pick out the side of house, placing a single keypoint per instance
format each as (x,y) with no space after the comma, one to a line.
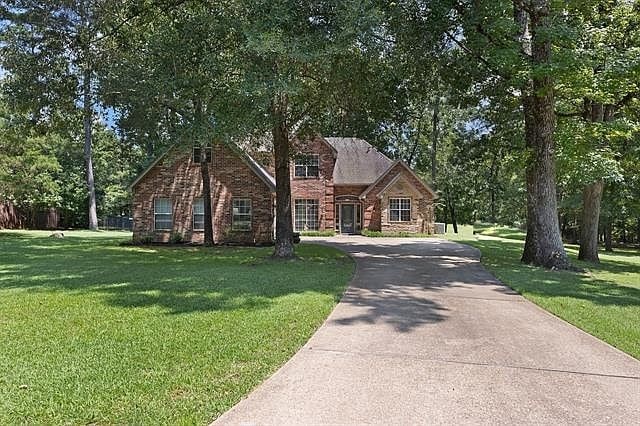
(168,204)
(312,189)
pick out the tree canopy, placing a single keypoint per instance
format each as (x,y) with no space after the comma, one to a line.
(518,112)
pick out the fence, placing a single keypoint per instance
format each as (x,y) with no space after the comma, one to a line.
(123,223)
(13,217)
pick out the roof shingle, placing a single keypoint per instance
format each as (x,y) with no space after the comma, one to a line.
(357,162)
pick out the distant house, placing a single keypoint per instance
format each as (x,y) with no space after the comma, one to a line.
(341,184)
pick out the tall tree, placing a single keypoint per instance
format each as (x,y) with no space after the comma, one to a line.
(595,90)
(50,53)
(543,243)
(291,53)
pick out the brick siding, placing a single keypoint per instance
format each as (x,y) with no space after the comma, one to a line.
(176,177)
(320,188)
(376,215)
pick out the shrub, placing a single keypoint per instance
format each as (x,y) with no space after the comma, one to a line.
(143,239)
(326,233)
(377,234)
(175,238)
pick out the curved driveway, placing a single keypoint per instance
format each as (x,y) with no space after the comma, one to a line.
(425,335)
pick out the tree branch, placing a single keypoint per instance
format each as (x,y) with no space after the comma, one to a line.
(626,99)
(569,114)
(479,57)
(131,17)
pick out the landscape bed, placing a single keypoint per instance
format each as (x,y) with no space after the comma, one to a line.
(97,333)
(604,300)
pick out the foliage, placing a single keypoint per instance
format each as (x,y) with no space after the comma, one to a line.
(383,234)
(327,233)
(42,169)
(28,165)
(91,341)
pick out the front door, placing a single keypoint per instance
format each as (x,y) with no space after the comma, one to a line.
(347,219)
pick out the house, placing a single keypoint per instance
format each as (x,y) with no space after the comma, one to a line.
(341,184)
(167,197)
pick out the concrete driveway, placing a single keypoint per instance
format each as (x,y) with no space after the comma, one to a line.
(425,335)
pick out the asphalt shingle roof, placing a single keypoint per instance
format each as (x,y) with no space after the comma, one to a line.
(357,161)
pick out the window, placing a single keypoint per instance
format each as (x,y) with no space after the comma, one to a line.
(399,209)
(241,220)
(163,217)
(197,154)
(306,215)
(198,214)
(306,166)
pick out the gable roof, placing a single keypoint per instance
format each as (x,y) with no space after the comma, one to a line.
(248,160)
(357,161)
(260,171)
(386,172)
(399,177)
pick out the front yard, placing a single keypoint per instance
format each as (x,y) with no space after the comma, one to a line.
(604,300)
(93,332)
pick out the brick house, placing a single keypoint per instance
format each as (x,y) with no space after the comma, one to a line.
(353,186)
(339,184)
(167,197)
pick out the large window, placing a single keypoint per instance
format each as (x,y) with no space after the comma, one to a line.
(306,215)
(241,214)
(399,209)
(198,214)
(162,212)
(198,152)
(306,166)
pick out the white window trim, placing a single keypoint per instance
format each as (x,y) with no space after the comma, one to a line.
(306,217)
(156,214)
(193,215)
(316,157)
(400,209)
(249,215)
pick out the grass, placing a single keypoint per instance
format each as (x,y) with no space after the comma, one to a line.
(604,300)
(97,333)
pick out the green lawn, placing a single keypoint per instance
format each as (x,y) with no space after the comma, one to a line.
(94,332)
(604,300)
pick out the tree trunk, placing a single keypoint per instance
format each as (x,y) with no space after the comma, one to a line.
(454,220)
(446,218)
(88,141)
(206,198)
(284,248)
(594,112)
(416,142)
(434,142)
(493,183)
(452,210)
(591,197)
(543,244)
(608,228)
(638,232)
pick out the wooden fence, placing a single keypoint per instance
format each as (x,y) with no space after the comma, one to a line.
(12,217)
